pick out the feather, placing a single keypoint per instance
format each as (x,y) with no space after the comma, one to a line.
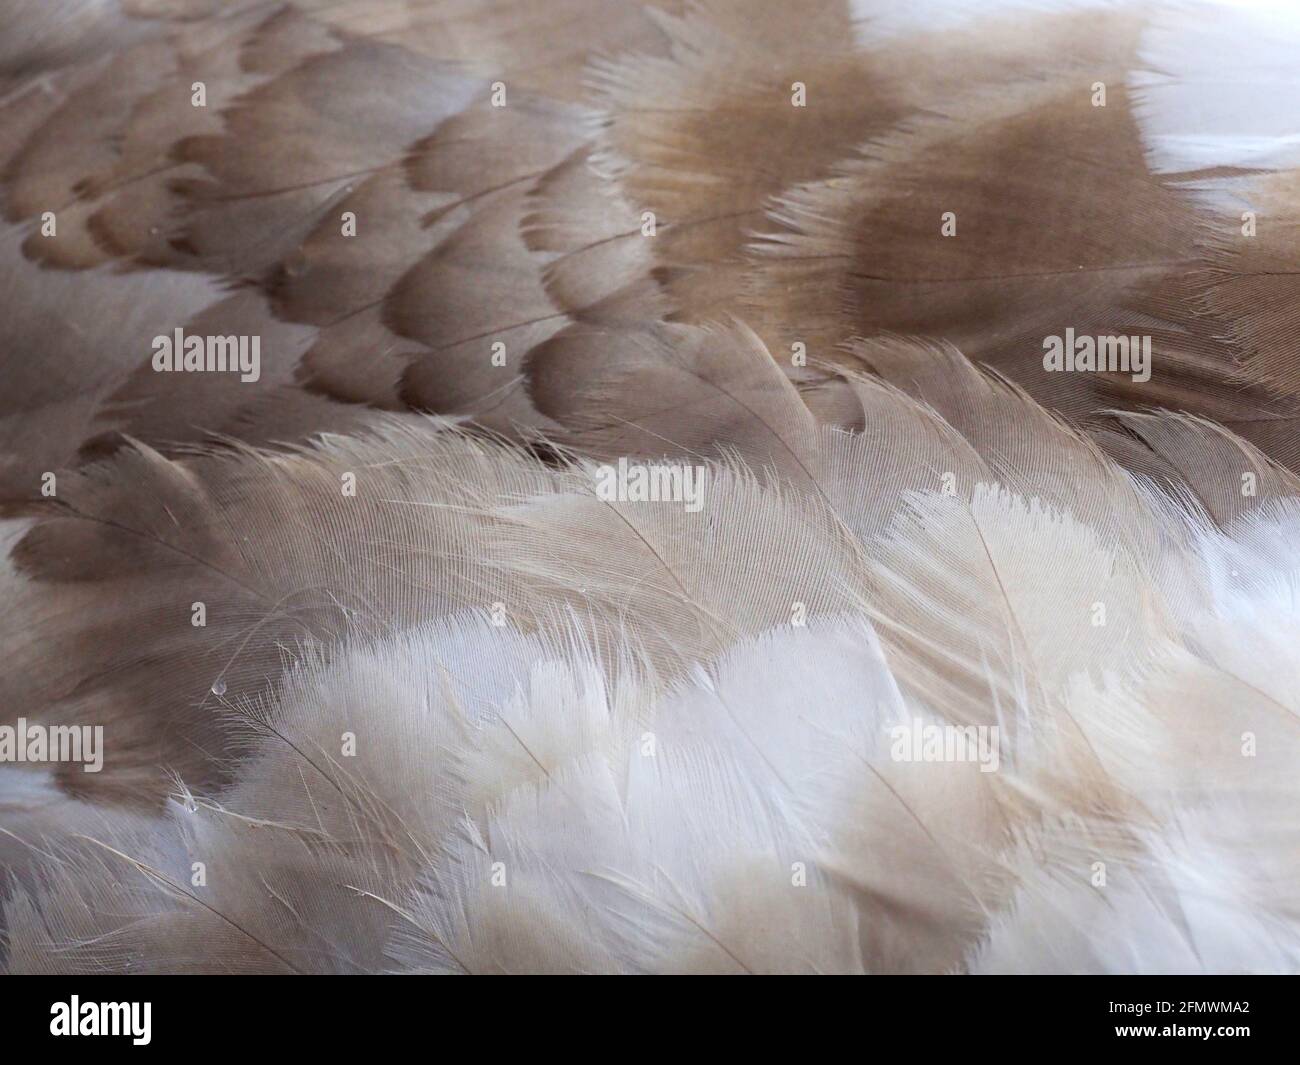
(71,341)
(881,247)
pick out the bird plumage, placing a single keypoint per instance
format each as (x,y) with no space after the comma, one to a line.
(448,705)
